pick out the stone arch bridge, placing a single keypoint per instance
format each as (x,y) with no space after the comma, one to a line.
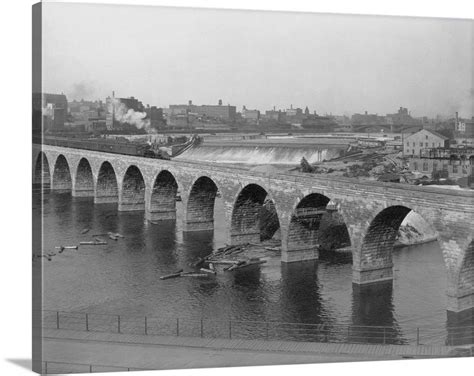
(372,211)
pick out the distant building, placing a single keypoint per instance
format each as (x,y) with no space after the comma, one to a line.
(252,116)
(274,115)
(402,117)
(454,163)
(292,113)
(50,110)
(219,111)
(464,128)
(155,115)
(423,139)
(132,103)
(367,119)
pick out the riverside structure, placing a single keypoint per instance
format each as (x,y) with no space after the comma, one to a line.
(372,211)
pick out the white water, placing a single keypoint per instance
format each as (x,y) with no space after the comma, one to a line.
(258,155)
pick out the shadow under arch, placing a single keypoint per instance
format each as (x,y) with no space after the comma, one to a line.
(314,226)
(200,205)
(162,204)
(133,190)
(245,224)
(84,182)
(61,175)
(41,173)
(106,186)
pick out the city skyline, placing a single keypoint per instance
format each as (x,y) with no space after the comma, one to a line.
(253,59)
(282,109)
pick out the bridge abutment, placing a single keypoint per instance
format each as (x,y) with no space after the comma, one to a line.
(304,254)
(199,225)
(373,274)
(160,215)
(131,206)
(105,199)
(82,192)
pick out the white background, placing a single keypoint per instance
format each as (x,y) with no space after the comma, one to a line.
(15,195)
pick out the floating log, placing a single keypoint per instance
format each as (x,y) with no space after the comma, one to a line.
(196,275)
(223,262)
(248,264)
(93,243)
(63,247)
(168,276)
(113,237)
(273,248)
(85,231)
(209,271)
(232,267)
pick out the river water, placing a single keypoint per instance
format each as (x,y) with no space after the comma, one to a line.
(122,277)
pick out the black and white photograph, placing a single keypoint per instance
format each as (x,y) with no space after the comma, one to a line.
(227,187)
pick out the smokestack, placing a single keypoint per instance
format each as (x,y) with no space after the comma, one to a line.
(457,117)
(190,103)
(113,108)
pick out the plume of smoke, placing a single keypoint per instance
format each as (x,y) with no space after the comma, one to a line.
(465,107)
(124,114)
(81,90)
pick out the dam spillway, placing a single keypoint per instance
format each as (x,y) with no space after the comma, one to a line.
(258,154)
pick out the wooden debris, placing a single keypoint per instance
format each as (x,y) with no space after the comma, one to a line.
(209,271)
(63,247)
(93,243)
(168,276)
(197,275)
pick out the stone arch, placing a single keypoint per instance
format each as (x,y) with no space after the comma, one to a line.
(61,175)
(246,215)
(163,195)
(374,261)
(200,205)
(133,190)
(106,186)
(42,174)
(313,226)
(84,181)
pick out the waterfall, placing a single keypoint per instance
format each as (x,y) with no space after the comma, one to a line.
(257,155)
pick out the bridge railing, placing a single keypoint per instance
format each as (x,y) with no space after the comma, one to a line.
(262,330)
(54,367)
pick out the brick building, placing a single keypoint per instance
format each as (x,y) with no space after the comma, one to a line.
(219,111)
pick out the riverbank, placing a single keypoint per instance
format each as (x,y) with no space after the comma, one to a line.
(68,350)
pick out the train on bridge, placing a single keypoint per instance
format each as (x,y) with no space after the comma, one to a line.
(108,146)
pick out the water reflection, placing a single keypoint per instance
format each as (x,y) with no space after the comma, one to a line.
(123,277)
(372,305)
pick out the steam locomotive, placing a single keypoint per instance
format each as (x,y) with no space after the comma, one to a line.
(107,146)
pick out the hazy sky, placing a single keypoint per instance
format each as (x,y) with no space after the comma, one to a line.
(332,64)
